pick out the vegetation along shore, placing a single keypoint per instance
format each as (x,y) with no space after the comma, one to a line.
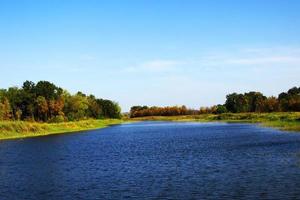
(44,108)
(288,121)
(23,129)
(281,112)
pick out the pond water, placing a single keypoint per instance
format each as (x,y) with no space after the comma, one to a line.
(154,160)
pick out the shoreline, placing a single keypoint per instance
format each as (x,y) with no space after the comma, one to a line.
(289,121)
(21,129)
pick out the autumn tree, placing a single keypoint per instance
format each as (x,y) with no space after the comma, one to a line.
(14,96)
(5,110)
(42,108)
(45,101)
(140,111)
(271,104)
(290,101)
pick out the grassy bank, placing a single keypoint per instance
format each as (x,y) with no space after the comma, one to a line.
(284,121)
(21,129)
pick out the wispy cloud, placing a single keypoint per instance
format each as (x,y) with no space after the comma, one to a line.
(264,57)
(264,60)
(244,58)
(251,61)
(156,66)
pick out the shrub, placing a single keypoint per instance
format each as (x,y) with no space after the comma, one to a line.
(57,119)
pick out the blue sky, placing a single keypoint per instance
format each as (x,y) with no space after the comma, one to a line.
(152,52)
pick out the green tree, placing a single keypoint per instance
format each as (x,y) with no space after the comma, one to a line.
(76,107)
(28,97)
(109,108)
(221,109)
(255,101)
(47,90)
(94,109)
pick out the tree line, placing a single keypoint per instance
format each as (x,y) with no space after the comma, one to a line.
(141,111)
(235,103)
(47,102)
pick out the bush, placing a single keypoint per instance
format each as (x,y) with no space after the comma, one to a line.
(220,109)
(57,119)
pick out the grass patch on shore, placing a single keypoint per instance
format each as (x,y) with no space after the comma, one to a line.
(282,120)
(21,129)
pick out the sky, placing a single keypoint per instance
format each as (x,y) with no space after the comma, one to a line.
(152,52)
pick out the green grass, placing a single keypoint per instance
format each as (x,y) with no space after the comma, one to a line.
(282,120)
(21,129)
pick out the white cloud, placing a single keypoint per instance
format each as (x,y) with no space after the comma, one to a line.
(264,57)
(241,59)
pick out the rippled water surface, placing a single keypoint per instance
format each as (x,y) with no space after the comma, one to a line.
(154,160)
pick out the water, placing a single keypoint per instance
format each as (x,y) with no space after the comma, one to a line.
(154,160)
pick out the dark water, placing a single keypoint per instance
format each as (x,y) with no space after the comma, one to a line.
(154,160)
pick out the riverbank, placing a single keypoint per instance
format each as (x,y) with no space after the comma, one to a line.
(21,129)
(283,120)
